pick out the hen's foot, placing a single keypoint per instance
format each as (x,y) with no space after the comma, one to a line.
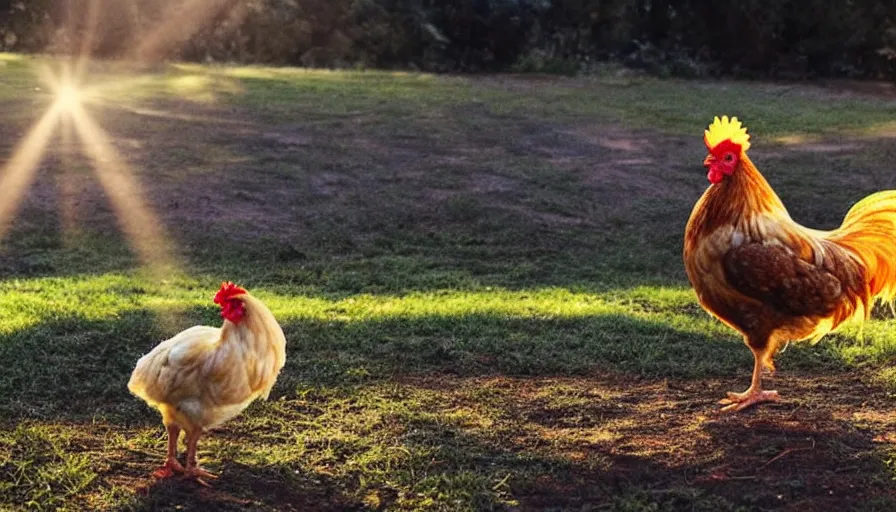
(170,468)
(740,401)
(200,475)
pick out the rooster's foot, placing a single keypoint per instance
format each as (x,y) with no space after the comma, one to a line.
(200,475)
(170,468)
(740,401)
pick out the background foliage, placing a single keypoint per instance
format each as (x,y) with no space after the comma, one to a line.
(788,39)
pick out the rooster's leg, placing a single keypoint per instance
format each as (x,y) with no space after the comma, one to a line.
(754,395)
(171,466)
(193,470)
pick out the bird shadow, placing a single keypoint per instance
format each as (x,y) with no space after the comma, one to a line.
(241,487)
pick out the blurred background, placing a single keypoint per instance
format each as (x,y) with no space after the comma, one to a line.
(692,38)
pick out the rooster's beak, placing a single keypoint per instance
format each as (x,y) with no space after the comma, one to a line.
(709,161)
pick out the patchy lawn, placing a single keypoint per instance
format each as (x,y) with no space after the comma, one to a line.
(479,278)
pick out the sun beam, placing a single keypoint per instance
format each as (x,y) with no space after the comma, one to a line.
(66,183)
(178,24)
(68,112)
(140,224)
(142,227)
(18,174)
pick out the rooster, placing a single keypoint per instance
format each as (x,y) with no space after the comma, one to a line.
(771,279)
(205,376)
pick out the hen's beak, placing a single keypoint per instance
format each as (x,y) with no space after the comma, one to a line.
(709,161)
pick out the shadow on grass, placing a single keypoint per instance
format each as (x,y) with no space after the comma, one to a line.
(557,444)
(243,487)
(426,412)
(77,368)
(607,474)
(801,459)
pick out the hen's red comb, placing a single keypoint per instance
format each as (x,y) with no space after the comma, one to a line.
(228,290)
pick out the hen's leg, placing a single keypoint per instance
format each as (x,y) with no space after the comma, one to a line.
(754,394)
(193,470)
(172,466)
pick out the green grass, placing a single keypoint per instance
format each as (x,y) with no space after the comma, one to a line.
(480,282)
(42,470)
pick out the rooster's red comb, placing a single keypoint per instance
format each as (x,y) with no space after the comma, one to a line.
(228,290)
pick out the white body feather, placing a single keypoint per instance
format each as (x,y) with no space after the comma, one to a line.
(204,376)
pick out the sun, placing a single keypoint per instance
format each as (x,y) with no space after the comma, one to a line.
(68,97)
(69,110)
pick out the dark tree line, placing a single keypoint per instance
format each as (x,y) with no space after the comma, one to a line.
(786,38)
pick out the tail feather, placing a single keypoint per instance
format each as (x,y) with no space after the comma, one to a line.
(869,231)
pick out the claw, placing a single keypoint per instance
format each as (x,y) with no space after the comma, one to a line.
(202,482)
(199,475)
(740,401)
(734,397)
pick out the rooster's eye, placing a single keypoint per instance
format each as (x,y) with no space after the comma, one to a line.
(729,158)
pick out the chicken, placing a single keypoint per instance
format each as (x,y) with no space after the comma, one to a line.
(205,376)
(771,279)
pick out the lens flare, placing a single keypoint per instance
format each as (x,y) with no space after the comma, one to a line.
(180,22)
(68,112)
(142,227)
(68,97)
(19,171)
